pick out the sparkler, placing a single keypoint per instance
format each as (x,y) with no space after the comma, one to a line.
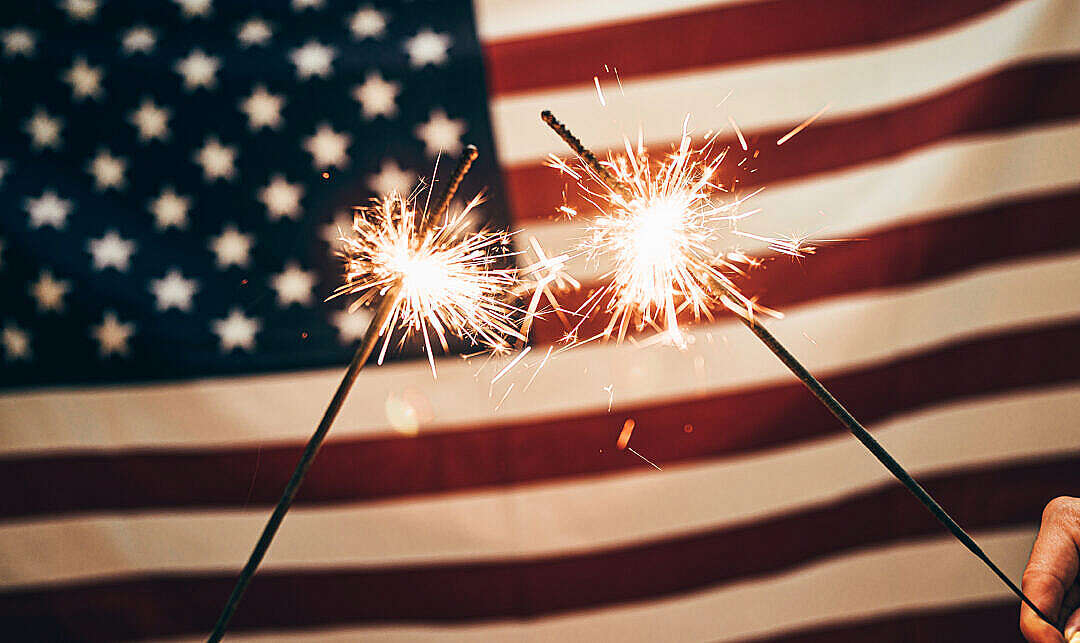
(445,279)
(654,227)
(658,226)
(425,274)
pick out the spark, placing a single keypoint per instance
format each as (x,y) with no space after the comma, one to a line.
(801,126)
(738,132)
(512,364)
(505,395)
(547,273)
(658,225)
(599,92)
(646,460)
(610,388)
(444,280)
(537,371)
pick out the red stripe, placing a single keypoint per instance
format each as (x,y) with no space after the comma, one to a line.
(713,36)
(992,623)
(172,605)
(725,424)
(901,256)
(1022,96)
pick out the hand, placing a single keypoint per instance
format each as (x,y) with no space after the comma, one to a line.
(1050,579)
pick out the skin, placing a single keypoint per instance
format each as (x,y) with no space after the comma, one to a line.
(1050,579)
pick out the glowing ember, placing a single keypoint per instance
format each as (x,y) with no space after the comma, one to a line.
(624,435)
(444,279)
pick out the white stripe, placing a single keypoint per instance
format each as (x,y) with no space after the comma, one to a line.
(498,20)
(948,177)
(847,333)
(927,574)
(765,95)
(551,519)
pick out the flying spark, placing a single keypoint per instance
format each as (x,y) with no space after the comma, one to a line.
(801,126)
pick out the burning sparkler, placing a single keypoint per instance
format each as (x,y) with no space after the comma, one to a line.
(425,274)
(438,277)
(655,224)
(659,224)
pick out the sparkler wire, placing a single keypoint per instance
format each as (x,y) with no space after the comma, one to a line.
(884,457)
(360,357)
(819,391)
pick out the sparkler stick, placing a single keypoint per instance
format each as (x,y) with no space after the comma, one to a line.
(604,174)
(884,457)
(443,204)
(367,346)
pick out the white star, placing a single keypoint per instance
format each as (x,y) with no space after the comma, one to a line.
(427,48)
(85,80)
(294,286)
(367,22)
(170,209)
(195,8)
(232,247)
(49,292)
(263,109)
(236,331)
(281,198)
(19,41)
(80,9)
(108,171)
(48,209)
(173,291)
(328,147)
(341,225)
(254,32)
(44,130)
(16,343)
(198,70)
(151,121)
(112,335)
(217,160)
(441,134)
(313,59)
(111,251)
(377,96)
(351,326)
(139,39)
(392,178)
(300,5)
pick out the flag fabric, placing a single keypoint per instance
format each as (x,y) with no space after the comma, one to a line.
(176,175)
(167,351)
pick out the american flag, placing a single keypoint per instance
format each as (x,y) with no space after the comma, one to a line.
(173,175)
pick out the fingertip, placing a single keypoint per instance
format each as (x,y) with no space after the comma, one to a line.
(1072,627)
(1036,630)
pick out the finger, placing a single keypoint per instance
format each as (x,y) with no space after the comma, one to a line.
(1051,570)
(1034,629)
